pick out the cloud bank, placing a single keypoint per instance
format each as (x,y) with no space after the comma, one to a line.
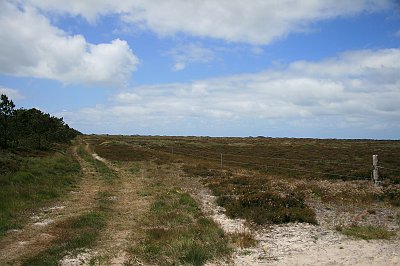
(356,89)
(31,46)
(257,22)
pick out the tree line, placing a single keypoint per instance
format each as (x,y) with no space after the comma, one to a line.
(31,128)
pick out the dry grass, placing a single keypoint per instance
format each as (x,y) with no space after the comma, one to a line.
(268,175)
(244,239)
(366,232)
(175,231)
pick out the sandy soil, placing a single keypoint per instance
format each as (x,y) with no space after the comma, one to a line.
(301,244)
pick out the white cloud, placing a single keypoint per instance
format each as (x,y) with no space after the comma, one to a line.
(31,46)
(256,22)
(178,66)
(190,53)
(12,94)
(257,50)
(355,90)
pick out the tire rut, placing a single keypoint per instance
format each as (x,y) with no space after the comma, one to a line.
(128,209)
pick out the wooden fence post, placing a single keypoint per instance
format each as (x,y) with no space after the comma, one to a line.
(375,169)
(221,161)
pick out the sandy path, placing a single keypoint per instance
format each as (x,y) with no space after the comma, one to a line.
(128,210)
(37,235)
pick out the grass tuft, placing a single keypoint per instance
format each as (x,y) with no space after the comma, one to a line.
(366,232)
(244,239)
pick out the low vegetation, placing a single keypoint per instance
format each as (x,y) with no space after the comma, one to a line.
(31,172)
(82,232)
(100,167)
(366,232)
(263,180)
(28,181)
(269,180)
(177,233)
(244,239)
(78,234)
(253,198)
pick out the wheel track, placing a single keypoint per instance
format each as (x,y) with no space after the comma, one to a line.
(128,209)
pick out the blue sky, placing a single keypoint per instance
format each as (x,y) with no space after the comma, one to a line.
(325,69)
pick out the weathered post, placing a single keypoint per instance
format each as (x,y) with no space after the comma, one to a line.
(375,169)
(221,161)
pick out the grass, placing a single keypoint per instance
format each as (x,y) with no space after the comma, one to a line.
(244,239)
(253,197)
(78,234)
(30,182)
(175,231)
(180,234)
(100,167)
(392,195)
(311,159)
(366,232)
(263,180)
(281,173)
(134,169)
(81,232)
(116,152)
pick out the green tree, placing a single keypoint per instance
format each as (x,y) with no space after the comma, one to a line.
(6,114)
(39,130)
(31,128)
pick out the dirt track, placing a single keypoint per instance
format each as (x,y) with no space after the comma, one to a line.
(38,234)
(128,208)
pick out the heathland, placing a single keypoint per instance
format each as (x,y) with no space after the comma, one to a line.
(153,200)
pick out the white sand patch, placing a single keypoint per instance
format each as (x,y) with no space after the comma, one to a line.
(45,222)
(78,260)
(97,157)
(55,208)
(300,243)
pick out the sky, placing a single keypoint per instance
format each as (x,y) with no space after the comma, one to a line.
(309,68)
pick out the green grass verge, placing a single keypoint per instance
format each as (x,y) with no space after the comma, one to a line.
(366,232)
(179,234)
(32,183)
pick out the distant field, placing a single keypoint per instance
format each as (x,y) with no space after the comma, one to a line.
(271,179)
(309,158)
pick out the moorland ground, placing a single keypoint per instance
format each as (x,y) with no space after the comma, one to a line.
(150,200)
